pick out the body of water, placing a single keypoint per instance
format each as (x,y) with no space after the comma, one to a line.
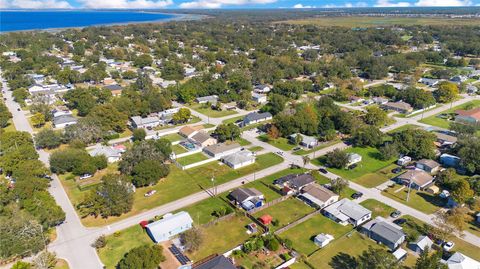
(36,20)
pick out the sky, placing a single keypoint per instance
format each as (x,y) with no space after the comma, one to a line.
(219,4)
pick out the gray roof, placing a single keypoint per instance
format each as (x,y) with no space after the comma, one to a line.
(209,98)
(423,242)
(169,224)
(295,180)
(239,157)
(141,121)
(201,137)
(347,208)
(305,138)
(222,147)
(387,231)
(241,194)
(105,150)
(64,119)
(113,87)
(254,116)
(218,262)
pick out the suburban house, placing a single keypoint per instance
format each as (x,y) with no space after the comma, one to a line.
(248,198)
(322,240)
(429,166)
(421,243)
(222,149)
(318,196)
(202,139)
(261,88)
(471,89)
(445,139)
(63,121)
(259,98)
(460,261)
(471,116)
(448,160)
(419,179)
(212,99)
(354,158)
(346,211)
(168,227)
(307,141)
(115,89)
(138,122)
(215,262)
(294,182)
(189,131)
(458,79)
(380,100)
(384,232)
(399,106)
(112,154)
(429,81)
(256,117)
(404,160)
(239,159)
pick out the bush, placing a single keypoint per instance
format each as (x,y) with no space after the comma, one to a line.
(148,172)
(100,242)
(145,257)
(47,138)
(77,161)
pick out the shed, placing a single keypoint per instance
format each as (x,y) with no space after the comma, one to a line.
(266,219)
(322,240)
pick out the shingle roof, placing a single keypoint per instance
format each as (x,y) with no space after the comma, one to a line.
(428,163)
(241,194)
(218,262)
(239,157)
(348,208)
(257,116)
(201,137)
(319,192)
(62,119)
(222,147)
(419,177)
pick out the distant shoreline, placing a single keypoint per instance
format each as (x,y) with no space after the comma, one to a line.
(174,17)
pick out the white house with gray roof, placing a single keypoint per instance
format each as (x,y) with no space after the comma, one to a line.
(112,154)
(63,121)
(384,232)
(307,141)
(146,122)
(239,159)
(212,99)
(256,117)
(346,211)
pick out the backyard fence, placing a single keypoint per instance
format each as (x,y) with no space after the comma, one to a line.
(295,223)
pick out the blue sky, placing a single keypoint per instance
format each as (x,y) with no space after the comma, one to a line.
(155,4)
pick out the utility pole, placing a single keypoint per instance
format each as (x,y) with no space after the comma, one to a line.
(409,188)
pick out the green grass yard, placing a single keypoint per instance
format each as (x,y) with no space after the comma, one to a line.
(177,149)
(180,183)
(286,212)
(190,159)
(233,120)
(302,235)
(281,142)
(173,137)
(202,212)
(444,123)
(372,180)
(255,148)
(377,208)
(210,112)
(419,200)
(403,128)
(321,146)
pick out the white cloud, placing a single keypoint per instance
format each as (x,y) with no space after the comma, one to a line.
(34,4)
(302,6)
(358,4)
(221,3)
(443,3)
(387,3)
(123,4)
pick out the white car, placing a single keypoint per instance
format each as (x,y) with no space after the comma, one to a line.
(85,176)
(150,193)
(447,246)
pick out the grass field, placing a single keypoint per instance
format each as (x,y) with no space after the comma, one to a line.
(321,146)
(194,158)
(370,164)
(352,246)
(173,137)
(210,112)
(280,143)
(177,149)
(443,123)
(180,183)
(419,200)
(302,235)
(403,128)
(359,21)
(286,212)
(255,148)
(202,212)
(377,208)
(233,120)
(118,245)
(372,180)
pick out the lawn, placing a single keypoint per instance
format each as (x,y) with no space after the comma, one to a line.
(286,212)
(444,123)
(194,158)
(202,212)
(281,142)
(372,180)
(464,247)
(352,246)
(233,120)
(192,120)
(222,237)
(377,208)
(302,235)
(359,21)
(403,128)
(173,137)
(180,183)
(419,200)
(319,147)
(210,112)
(255,148)
(243,142)
(370,163)
(177,149)
(121,243)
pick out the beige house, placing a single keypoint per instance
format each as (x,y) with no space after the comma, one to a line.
(202,139)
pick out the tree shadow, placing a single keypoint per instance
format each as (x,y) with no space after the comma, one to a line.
(375,155)
(434,200)
(343,261)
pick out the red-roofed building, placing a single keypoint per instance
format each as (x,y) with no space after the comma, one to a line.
(471,116)
(266,219)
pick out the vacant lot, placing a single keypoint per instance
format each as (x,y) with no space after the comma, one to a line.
(194,158)
(281,142)
(419,200)
(377,208)
(286,212)
(210,112)
(359,21)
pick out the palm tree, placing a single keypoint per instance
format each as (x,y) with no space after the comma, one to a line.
(306,160)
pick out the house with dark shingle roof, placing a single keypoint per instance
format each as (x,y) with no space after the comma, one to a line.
(318,196)
(384,232)
(419,179)
(256,117)
(215,262)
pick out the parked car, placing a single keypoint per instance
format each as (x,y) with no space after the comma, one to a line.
(323,170)
(397,170)
(85,176)
(447,246)
(357,195)
(18,109)
(352,166)
(150,193)
(296,149)
(395,214)
(399,221)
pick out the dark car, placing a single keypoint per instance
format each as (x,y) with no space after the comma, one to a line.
(352,166)
(323,170)
(399,221)
(18,109)
(357,195)
(395,214)
(397,170)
